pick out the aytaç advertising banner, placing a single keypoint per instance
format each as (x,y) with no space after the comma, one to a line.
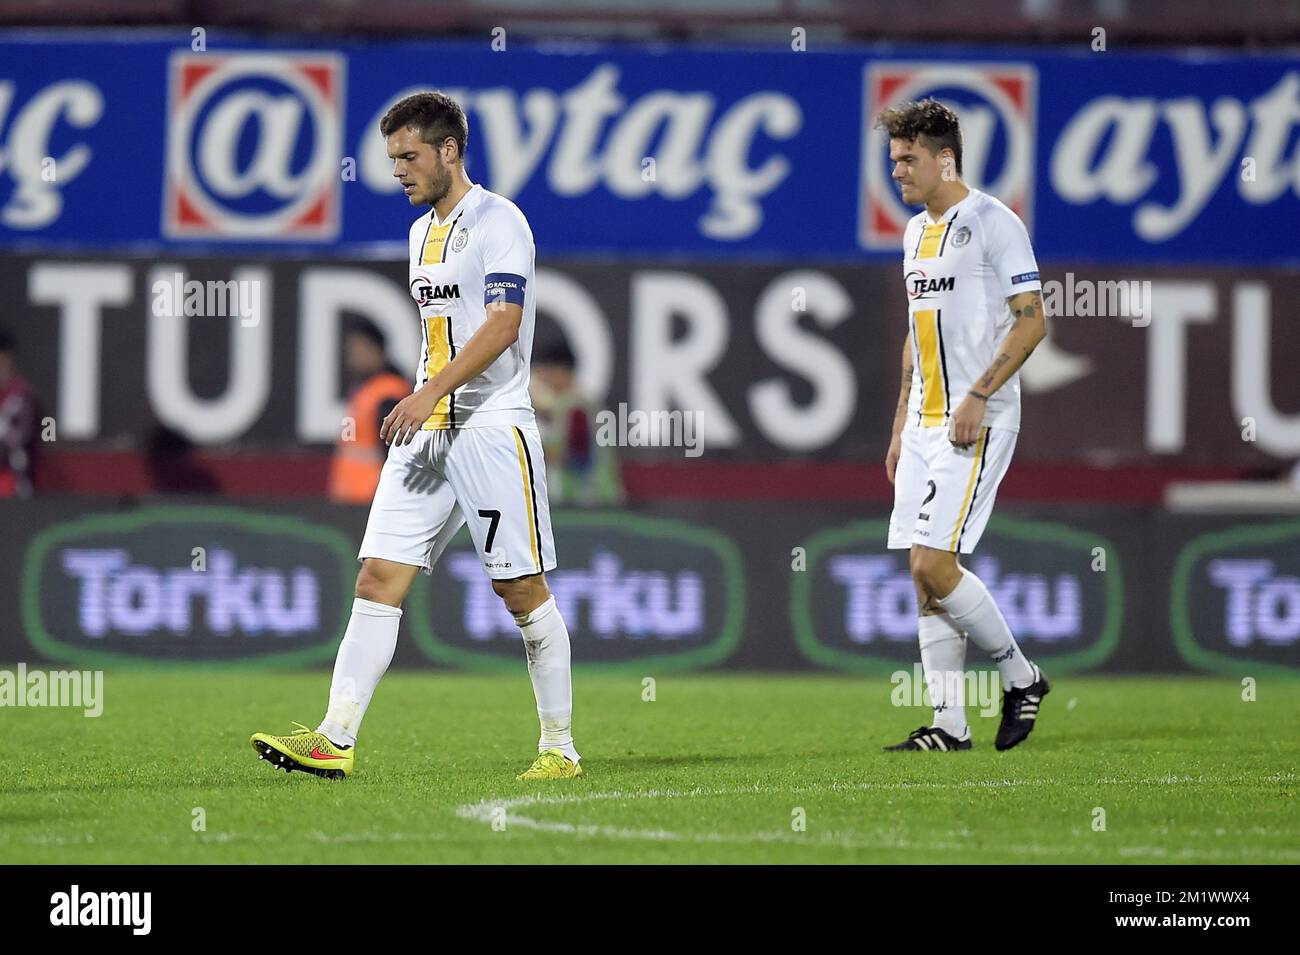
(710,153)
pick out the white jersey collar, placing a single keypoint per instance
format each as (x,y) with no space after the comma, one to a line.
(952,209)
(460,207)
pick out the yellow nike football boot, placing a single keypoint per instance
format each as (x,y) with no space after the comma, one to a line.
(551,764)
(305,750)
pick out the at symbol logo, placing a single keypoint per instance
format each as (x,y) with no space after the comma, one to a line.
(996,104)
(253,146)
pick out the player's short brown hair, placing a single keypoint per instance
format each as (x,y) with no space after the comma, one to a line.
(435,116)
(928,118)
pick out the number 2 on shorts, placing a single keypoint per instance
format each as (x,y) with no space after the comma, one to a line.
(928,498)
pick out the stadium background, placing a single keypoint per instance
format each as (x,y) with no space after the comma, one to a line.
(749,274)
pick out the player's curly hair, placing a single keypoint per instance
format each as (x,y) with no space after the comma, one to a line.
(928,118)
(435,116)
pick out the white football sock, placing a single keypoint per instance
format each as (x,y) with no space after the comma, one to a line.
(973,610)
(546,642)
(943,658)
(363,656)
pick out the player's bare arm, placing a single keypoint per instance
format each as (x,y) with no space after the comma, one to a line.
(1029,329)
(499,332)
(900,414)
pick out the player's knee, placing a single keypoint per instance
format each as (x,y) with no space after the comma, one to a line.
(522,595)
(376,585)
(931,569)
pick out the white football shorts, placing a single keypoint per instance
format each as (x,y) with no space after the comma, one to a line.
(943,496)
(493,478)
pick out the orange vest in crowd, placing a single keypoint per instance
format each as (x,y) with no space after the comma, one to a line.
(354,472)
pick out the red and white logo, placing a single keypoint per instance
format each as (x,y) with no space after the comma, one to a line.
(253,146)
(997,106)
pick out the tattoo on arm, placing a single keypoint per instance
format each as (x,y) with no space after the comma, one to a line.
(1027,305)
(907,382)
(987,380)
(1030,308)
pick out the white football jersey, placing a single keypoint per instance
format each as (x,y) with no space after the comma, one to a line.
(959,273)
(483,253)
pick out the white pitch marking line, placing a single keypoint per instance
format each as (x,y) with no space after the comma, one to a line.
(485,810)
(757,789)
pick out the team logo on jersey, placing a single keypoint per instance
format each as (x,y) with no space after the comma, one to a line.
(920,286)
(426,293)
(458,243)
(961,236)
(253,145)
(996,103)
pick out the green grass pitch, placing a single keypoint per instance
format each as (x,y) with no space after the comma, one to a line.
(718,768)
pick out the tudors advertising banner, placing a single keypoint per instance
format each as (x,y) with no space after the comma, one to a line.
(773,360)
(209,140)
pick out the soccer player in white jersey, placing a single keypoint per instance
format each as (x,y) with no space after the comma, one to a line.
(975,313)
(464,447)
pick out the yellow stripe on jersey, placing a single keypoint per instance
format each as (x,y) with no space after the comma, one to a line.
(970,485)
(436,356)
(934,397)
(435,244)
(931,241)
(528,497)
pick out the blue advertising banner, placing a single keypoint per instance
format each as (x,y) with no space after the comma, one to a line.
(108,141)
